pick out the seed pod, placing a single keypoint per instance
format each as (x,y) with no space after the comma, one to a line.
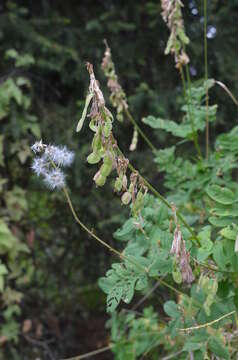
(93,158)
(124,182)
(138,203)
(126,198)
(97,143)
(99,179)
(107,127)
(118,184)
(92,125)
(106,167)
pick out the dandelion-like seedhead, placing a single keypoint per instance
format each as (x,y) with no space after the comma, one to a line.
(48,164)
(55,179)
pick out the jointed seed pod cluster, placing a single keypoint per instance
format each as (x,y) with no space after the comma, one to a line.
(106,152)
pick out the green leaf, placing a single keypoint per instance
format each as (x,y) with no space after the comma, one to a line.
(218,348)
(171,308)
(229,232)
(125,233)
(221,195)
(220,222)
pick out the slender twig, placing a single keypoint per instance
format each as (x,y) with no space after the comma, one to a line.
(91,353)
(206,76)
(172,355)
(208,323)
(224,87)
(195,135)
(146,296)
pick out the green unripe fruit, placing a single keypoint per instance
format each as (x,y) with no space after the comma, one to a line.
(97,143)
(106,167)
(99,179)
(118,184)
(107,127)
(93,158)
(126,198)
(138,204)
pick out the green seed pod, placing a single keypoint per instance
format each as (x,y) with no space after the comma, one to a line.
(138,204)
(97,143)
(126,198)
(92,125)
(99,179)
(177,276)
(93,158)
(106,167)
(107,127)
(118,184)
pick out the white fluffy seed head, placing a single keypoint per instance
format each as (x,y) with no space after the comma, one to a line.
(61,156)
(55,179)
(40,166)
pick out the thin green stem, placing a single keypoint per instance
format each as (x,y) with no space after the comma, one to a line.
(206,76)
(195,135)
(140,131)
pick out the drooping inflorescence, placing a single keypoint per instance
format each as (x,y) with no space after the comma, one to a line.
(172,16)
(106,151)
(48,161)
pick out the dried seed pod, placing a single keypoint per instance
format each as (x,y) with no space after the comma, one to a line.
(124,182)
(126,198)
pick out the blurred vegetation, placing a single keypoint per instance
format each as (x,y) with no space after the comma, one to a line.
(49,268)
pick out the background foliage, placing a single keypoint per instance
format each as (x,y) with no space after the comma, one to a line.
(49,268)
